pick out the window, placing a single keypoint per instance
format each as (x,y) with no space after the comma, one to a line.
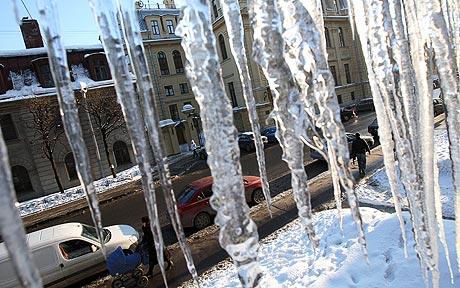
(46,77)
(183,88)
(178,62)
(21,179)
(214,9)
(174,112)
(343,4)
(155,27)
(328,37)
(352,94)
(341,38)
(231,90)
(169,90)
(170,26)
(347,73)
(339,99)
(76,248)
(163,62)
(120,150)
(101,71)
(334,75)
(69,162)
(223,49)
(8,129)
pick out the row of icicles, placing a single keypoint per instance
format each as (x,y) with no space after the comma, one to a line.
(403,42)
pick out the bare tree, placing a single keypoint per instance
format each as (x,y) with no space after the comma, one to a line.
(47,127)
(107,115)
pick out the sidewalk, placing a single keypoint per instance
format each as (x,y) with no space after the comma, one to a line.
(177,164)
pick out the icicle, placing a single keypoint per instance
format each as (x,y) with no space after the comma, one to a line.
(57,56)
(105,12)
(151,118)
(11,228)
(439,218)
(238,232)
(234,25)
(305,55)
(446,63)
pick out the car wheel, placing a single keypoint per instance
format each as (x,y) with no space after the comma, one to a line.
(143,281)
(202,220)
(118,283)
(257,196)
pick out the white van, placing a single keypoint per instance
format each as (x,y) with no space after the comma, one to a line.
(68,253)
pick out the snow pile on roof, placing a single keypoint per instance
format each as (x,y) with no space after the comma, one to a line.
(376,190)
(44,51)
(166,122)
(26,85)
(75,193)
(288,258)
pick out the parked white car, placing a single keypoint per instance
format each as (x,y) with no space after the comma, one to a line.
(67,253)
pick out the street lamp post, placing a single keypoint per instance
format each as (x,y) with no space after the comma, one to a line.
(189,110)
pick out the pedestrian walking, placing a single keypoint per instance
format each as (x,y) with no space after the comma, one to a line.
(359,148)
(148,244)
(194,149)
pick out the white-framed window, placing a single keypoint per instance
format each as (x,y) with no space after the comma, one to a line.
(170,26)
(155,27)
(169,90)
(183,88)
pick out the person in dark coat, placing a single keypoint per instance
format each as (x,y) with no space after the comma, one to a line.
(359,148)
(149,244)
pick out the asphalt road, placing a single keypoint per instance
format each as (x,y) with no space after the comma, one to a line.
(129,209)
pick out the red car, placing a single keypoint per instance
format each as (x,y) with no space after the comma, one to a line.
(193,204)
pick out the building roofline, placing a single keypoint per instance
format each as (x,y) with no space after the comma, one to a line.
(44,51)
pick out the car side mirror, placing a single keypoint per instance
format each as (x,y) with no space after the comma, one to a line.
(94,248)
(199,198)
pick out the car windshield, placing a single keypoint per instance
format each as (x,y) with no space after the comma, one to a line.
(90,233)
(187,194)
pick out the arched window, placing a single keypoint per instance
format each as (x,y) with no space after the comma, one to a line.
(328,37)
(120,150)
(69,162)
(341,38)
(178,62)
(21,179)
(163,62)
(223,49)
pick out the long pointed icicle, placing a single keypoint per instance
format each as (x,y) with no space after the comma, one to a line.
(11,228)
(446,62)
(151,118)
(288,110)
(105,12)
(238,232)
(234,24)
(308,65)
(68,108)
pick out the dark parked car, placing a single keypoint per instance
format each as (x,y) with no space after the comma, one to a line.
(270,132)
(366,104)
(246,141)
(346,113)
(373,129)
(438,106)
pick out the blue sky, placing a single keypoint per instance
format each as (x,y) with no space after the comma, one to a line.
(77,23)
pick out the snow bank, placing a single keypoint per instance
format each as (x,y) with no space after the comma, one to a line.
(376,189)
(288,258)
(75,193)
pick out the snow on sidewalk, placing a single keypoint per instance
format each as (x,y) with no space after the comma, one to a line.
(102,185)
(376,189)
(288,258)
